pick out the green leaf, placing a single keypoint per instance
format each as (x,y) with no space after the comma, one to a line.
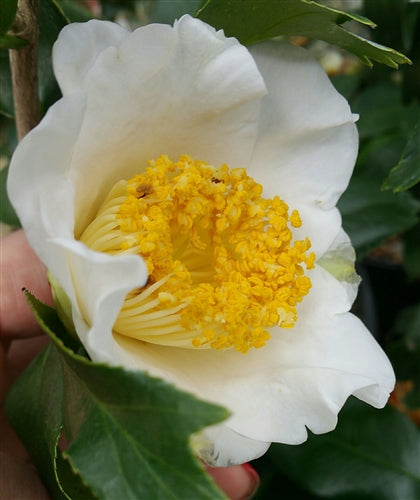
(71,484)
(7,15)
(141,426)
(371,455)
(251,22)
(371,216)
(7,212)
(11,42)
(34,408)
(407,172)
(128,432)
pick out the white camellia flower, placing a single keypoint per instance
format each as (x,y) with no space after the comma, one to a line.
(141,192)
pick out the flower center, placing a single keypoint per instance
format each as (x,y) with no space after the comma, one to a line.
(223,266)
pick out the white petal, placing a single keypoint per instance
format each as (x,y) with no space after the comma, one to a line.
(42,191)
(77,47)
(164,96)
(300,379)
(220,446)
(307,141)
(38,185)
(100,283)
(327,297)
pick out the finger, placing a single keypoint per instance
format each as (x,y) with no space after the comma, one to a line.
(238,482)
(19,480)
(20,268)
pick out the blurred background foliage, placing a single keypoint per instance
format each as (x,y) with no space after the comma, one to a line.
(372,454)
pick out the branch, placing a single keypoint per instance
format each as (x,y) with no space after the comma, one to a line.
(24,68)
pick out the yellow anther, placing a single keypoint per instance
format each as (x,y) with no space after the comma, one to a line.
(223,265)
(295,219)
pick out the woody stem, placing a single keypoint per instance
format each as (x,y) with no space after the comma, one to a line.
(24,67)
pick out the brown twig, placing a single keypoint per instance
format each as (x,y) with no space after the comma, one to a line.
(24,68)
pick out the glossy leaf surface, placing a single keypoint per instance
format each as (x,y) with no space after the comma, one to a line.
(251,22)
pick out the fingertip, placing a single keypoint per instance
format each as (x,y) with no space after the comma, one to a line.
(20,268)
(238,482)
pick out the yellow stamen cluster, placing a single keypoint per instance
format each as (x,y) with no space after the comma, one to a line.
(223,266)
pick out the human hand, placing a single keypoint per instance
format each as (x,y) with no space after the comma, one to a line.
(21,339)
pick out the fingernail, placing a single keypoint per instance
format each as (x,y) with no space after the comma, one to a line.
(254,481)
